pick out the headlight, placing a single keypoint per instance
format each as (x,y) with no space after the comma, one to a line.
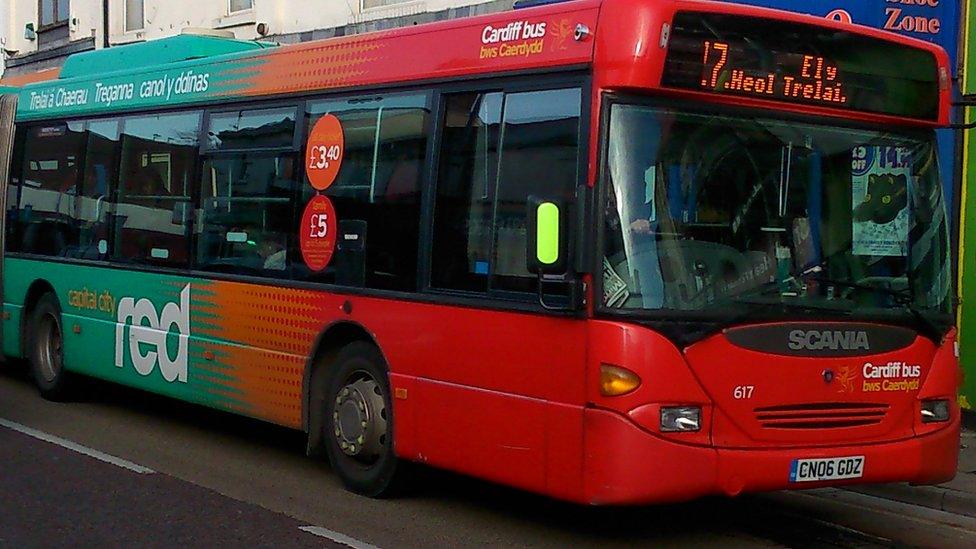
(934,411)
(680,418)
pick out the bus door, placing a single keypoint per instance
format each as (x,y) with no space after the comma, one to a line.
(8,108)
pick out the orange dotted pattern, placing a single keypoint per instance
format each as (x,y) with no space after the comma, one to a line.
(254,343)
(302,67)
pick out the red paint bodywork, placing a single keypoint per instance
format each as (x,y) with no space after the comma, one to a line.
(514,397)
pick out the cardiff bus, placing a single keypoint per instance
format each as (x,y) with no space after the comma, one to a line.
(609,251)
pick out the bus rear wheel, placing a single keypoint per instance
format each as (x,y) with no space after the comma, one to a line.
(359,422)
(46,351)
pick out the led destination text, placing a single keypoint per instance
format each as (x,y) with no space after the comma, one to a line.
(814,80)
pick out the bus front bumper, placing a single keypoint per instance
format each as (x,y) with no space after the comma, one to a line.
(627,465)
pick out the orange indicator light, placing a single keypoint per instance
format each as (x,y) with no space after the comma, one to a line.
(616,381)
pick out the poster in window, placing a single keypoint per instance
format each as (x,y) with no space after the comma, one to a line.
(325,148)
(318,233)
(880,178)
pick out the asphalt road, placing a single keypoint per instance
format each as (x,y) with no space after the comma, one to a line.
(166,473)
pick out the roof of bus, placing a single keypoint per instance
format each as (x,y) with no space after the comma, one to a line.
(146,55)
(198,69)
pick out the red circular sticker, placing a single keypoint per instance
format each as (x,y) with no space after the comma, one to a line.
(318,232)
(324,149)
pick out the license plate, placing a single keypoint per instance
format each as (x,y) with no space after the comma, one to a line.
(812,470)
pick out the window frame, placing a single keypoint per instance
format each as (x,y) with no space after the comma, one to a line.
(578,228)
(193,183)
(58,20)
(230,108)
(111,186)
(125,17)
(425,182)
(21,171)
(363,8)
(207,154)
(232,11)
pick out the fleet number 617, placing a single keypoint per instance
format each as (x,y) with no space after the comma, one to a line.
(740,392)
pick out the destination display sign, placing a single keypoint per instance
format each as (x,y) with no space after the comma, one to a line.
(809,77)
(796,63)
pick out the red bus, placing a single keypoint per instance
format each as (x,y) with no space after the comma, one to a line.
(610,251)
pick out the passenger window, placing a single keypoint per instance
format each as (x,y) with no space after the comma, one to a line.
(257,129)
(159,155)
(497,150)
(49,189)
(466,179)
(13,226)
(247,213)
(376,193)
(95,199)
(539,157)
(247,207)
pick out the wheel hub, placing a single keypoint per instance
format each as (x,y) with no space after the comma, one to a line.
(359,419)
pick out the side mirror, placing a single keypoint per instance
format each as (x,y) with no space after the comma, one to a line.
(546,242)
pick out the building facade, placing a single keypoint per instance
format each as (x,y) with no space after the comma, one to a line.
(38,35)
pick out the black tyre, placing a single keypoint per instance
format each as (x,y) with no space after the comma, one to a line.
(358,423)
(45,349)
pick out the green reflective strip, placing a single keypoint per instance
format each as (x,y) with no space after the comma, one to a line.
(547,233)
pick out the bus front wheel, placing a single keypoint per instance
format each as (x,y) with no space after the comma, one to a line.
(359,422)
(46,349)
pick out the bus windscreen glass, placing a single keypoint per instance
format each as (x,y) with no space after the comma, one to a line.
(797,63)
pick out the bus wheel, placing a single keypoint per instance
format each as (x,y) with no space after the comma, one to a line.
(46,352)
(359,422)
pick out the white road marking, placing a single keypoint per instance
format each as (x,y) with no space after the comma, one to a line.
(75,447)
(337,537)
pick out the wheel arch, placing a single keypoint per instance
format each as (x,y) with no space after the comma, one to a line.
(36,289)
(333,337)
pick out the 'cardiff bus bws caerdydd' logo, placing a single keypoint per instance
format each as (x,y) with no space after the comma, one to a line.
(146,327)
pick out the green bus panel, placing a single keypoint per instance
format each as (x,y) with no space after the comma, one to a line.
(215,343)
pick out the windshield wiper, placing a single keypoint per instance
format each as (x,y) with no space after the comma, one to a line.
(760,309)
(902,298)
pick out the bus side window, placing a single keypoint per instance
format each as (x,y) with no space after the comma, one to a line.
(496,151)
(95,199)
(12,241)
(539,157)
(376,192)
(159,156)
(247,192)
(466,179)
(49,188)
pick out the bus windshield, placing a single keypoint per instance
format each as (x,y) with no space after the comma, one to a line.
(721,215)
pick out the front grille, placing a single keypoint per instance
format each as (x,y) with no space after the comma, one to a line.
(821,415)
